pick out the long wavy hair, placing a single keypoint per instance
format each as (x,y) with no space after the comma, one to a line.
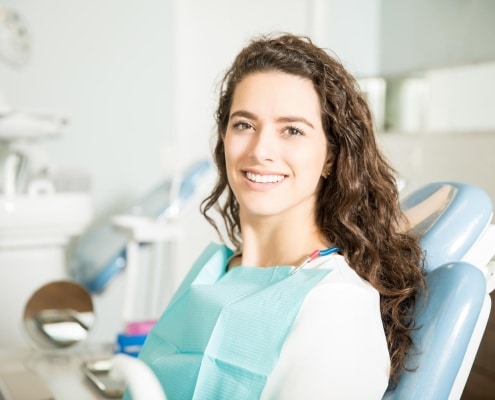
(358,205)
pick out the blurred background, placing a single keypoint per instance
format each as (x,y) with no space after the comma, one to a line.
(136,85)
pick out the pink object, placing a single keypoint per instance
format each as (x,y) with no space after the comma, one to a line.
(139,328)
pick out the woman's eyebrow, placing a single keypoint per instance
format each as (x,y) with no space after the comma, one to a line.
(295,119)
(291,118)
(243,114)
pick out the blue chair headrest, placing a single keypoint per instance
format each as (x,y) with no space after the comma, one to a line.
(449,218)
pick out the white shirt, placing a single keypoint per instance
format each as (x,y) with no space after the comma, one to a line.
(336,348)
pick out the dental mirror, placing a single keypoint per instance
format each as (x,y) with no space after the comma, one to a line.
(59,315)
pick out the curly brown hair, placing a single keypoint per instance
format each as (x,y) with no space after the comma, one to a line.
(358,206)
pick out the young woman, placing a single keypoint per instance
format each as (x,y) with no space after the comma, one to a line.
(315,301)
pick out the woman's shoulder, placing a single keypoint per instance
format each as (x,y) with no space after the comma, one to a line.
(342,273)
(327,337)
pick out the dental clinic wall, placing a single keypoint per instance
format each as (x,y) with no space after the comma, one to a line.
(446,47)
(106,66)
(137,81)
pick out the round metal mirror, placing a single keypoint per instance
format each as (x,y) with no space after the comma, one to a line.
(59,315)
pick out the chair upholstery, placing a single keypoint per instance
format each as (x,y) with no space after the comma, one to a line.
(450,218)
(448,317)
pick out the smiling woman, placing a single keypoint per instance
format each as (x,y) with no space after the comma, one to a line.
(315,299)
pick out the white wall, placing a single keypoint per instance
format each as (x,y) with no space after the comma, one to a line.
(421,158)
(350,29)
(107,67)
(454,135)
(461,99)
(424,34)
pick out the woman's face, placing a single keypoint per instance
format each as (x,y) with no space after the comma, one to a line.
(275,147)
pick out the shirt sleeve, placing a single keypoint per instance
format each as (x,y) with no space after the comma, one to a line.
(336,348)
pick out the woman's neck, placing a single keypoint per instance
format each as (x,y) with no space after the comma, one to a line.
(266,244)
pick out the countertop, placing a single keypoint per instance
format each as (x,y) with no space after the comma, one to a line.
(28,374)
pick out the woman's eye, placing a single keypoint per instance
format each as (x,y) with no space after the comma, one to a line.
(291,131)
(241,126)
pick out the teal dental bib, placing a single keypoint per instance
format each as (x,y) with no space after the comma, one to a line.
(222,333)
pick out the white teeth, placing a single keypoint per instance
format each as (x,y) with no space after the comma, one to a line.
(264,178)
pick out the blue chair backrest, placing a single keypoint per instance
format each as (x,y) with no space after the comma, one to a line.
(456,293)
(452,216)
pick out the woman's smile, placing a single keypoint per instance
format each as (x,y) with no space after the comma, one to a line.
(264,178)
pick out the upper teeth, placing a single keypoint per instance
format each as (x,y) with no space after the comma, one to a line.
(264,178)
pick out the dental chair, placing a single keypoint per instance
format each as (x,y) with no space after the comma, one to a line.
(454,223)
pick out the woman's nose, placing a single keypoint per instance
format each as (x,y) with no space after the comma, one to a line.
(264,145)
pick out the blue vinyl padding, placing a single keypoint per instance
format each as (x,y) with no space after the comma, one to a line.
(456,292)
(454,231)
